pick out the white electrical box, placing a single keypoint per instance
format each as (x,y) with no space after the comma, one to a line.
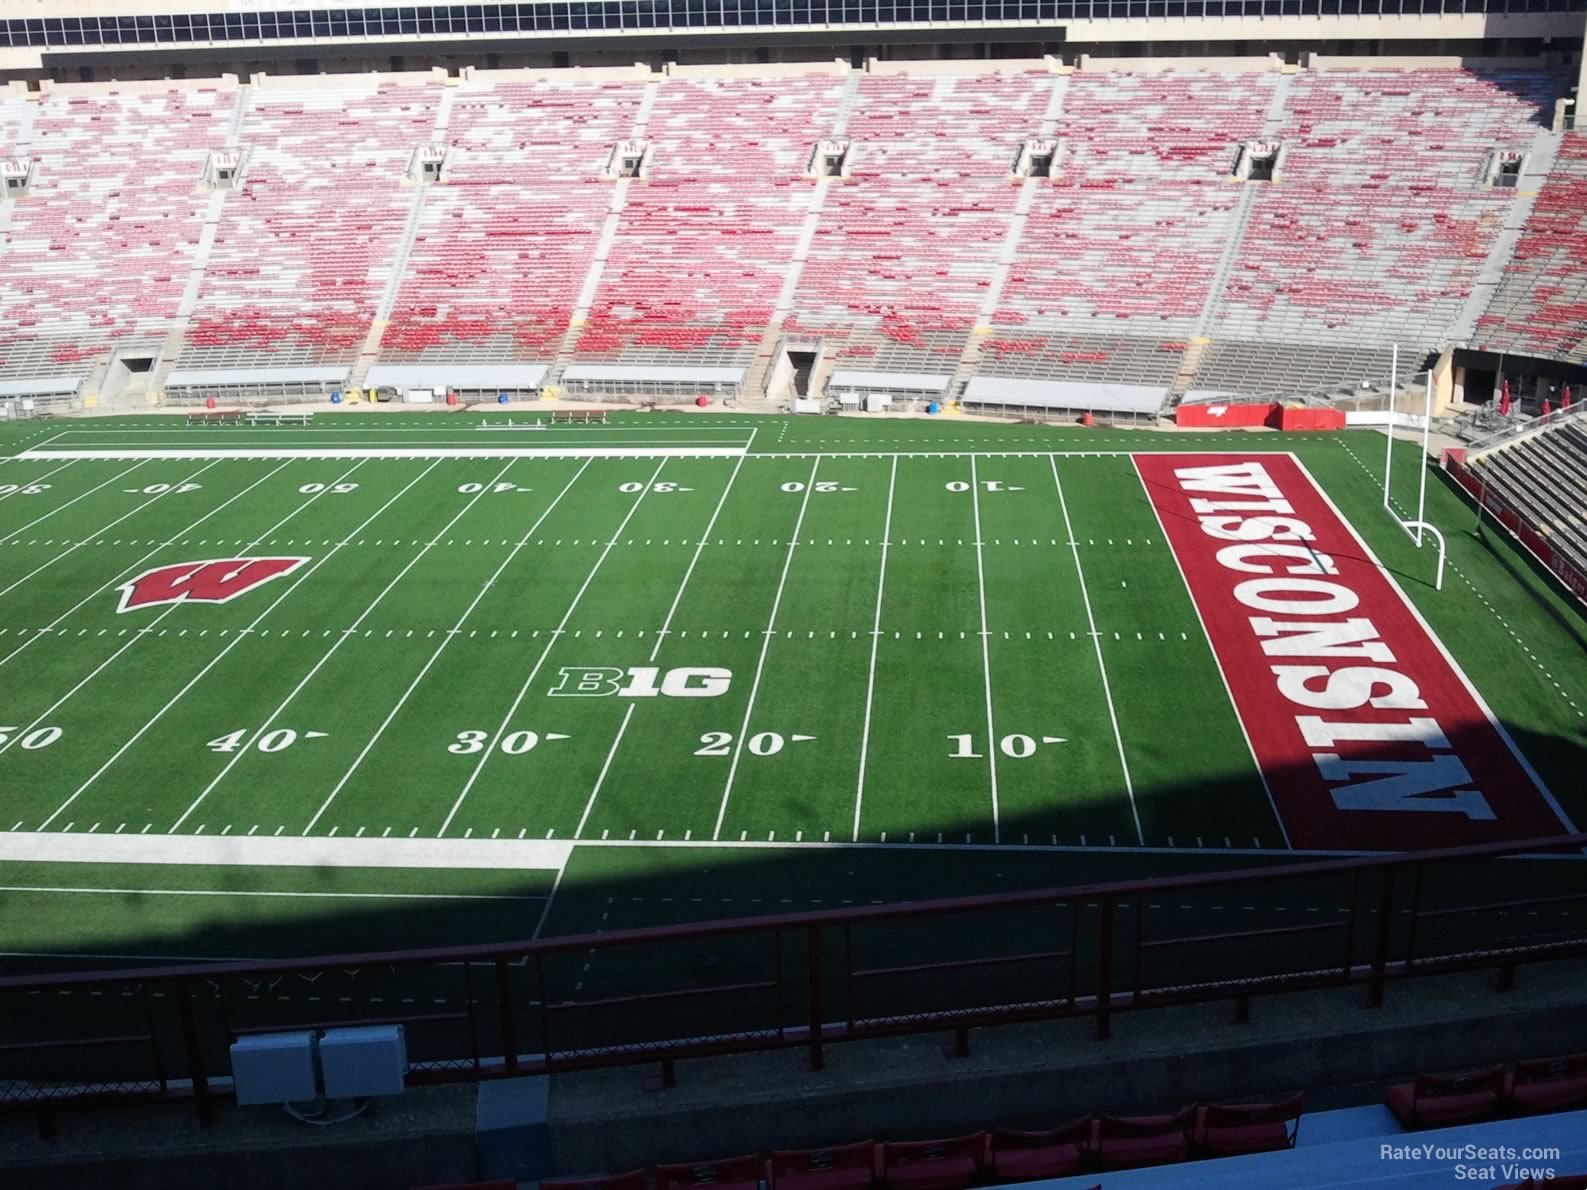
(362,1062)
(274,1068)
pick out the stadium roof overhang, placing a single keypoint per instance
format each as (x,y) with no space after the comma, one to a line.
(1065,394)
(40,386)
(892,382)
(245,377)
(626,373)
(464,376)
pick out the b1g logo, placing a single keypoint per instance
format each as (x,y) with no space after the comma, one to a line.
(217,580)
(639,681)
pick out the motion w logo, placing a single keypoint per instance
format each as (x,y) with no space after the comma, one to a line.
(215,581)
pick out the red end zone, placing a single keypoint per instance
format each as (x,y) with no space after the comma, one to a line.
(1368,736)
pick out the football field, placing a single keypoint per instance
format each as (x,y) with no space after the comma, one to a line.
(407,680)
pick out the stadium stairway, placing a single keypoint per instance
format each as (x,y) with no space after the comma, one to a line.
(1358,1147)
(1539,162)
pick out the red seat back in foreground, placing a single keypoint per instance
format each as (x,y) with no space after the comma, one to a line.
(1032,1156)
(842,1167)
(1225,1130)
(1549,1084)
(1129,1142)
(1443,1100)
(634,1179)
(1576,1181)
(742,1173)
(951,1164)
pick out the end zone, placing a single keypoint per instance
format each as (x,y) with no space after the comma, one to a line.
(1368,735)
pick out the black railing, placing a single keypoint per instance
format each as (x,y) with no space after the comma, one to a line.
(808,980)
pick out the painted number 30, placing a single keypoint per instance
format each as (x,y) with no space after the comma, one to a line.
(513,744)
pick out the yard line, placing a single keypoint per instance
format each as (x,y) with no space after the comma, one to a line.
(1207,636)
(556,635)
(24,484)
(986,654)
(236,640)
(765,646)
(69,503)
(138,636)
(661,638)
(876,638)
(342,638)
(441,648)
(98,591)
(103,529)
(1096,640)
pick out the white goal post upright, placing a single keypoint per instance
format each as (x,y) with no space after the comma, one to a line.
(1414,529)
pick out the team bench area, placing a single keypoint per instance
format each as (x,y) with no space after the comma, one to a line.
(579,416)
(236,417)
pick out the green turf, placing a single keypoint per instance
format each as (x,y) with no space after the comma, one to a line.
(444,596)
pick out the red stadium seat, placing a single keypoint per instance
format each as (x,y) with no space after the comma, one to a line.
(1442,1100)
(1576,1181)
(1031,1156)
(1226,1130)
(739,1173)
(842,1167)
(498,1184)
(1549,1084)
(632,1180)
(951,1164)
(1129,1142)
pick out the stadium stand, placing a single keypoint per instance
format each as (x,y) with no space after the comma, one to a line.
(100,248)
(1121,251)
(1143,261)
(704,242)
(906,246)
(302,250)
(503,246)
(1380,225)
(1543,476)
(1226,1144)
(1540,307)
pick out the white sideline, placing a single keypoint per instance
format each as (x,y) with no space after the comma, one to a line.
(285,851)
(765,647)
(300,576)
(1096,640)
(311,451)
(876,637)
(270,721)
(102,529)
(986,654)
(556,635)
(134,567)
(441,648)
(655,650)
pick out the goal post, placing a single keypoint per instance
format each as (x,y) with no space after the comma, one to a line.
(1418,525)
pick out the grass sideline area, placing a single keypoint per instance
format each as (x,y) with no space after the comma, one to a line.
(797,663)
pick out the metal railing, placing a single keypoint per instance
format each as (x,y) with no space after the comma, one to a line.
(810,980)
(1526,426)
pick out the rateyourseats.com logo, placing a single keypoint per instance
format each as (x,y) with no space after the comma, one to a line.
(1482,1163)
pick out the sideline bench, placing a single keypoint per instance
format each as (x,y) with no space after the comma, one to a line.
(215,417)
(266,418)
(580,416)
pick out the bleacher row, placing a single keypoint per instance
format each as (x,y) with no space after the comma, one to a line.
(1544,477)
(1108,1145)
(1375,233)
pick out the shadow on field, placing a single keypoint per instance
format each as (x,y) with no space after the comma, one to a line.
(759,979)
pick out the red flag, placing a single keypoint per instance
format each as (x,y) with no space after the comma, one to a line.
(1504,400)
(1547,408)
(1564,399)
